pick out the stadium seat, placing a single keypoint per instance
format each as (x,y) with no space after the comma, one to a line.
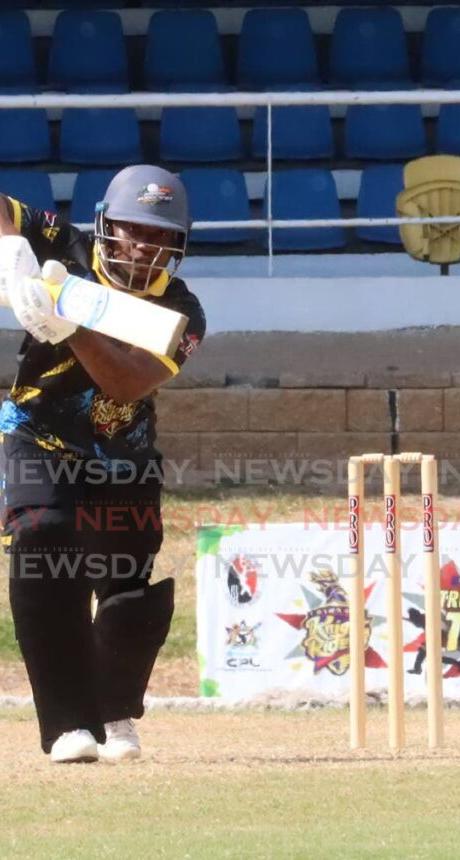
(431,189)
(29,186)
(21,4)
(88,53)
(89,188)
(100,136)
(275,46)
(200,134)
(440,47)
(298,132)
(183,46)
(79,4)
(188,87)
(17,63)
(217,194)
(367,46)
(448,130)
(380,185)
(305,193)
(24,135)
(384,131)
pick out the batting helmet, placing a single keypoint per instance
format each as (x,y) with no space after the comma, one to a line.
(150,196)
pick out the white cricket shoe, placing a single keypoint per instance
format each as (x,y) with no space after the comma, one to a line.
(122,741)
(78,745)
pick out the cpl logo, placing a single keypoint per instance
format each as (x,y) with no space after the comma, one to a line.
(428,523)
(353,534)
(390,523)
(242,663)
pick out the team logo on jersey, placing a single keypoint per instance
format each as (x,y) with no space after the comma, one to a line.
(108,417)
(49,218)
(188,344)
(243,581)
(50,230)
(153,193)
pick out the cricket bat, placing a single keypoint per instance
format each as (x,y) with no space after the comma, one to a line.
(117,314)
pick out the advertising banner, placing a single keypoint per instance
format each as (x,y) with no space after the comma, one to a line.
(272,609)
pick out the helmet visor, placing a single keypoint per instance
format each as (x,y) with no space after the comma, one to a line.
(132,256)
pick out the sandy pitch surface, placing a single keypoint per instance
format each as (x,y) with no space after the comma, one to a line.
(194,743)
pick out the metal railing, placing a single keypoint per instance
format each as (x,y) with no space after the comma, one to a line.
(143,100)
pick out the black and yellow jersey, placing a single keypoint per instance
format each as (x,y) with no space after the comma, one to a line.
(54,403)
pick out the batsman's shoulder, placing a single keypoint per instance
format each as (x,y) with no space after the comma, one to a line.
(29,221)
(11,209)
(179,298)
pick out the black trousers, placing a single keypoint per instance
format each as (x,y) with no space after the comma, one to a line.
(69,537)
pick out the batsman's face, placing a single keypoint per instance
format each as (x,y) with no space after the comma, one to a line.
(137,254)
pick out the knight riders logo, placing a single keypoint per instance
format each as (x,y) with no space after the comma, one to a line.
(108,417)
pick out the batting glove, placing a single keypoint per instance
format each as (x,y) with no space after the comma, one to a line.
(16,260)
(34,309)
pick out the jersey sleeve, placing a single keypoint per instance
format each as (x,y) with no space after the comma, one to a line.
(179,298)
(51,237)
(193,334)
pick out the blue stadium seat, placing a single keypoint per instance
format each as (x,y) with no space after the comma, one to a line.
(440,47)
(24,135)
(302,131)
(379,188)
(29,186)
(275,47)
(305,193)
(217,194)
(448,130)
(78,4)
(89,188)
(183,47)
(200,134)
(88,53)
(368,45)
(189,87)
(17,63)
(384,131)
(20,4)
(100,136)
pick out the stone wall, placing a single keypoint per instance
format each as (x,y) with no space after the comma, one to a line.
(302,436)
(289,409)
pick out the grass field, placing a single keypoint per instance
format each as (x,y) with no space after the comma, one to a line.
(229,785)
(245,785)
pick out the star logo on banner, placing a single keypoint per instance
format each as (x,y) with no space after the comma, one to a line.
(325,626)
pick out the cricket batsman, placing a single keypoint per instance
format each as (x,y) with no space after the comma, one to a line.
(82,474)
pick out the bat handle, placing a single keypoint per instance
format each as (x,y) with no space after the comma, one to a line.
(53,289)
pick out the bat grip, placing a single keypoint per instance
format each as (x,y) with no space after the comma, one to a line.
(53,289)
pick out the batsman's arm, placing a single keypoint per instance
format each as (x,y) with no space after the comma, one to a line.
(122,372)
